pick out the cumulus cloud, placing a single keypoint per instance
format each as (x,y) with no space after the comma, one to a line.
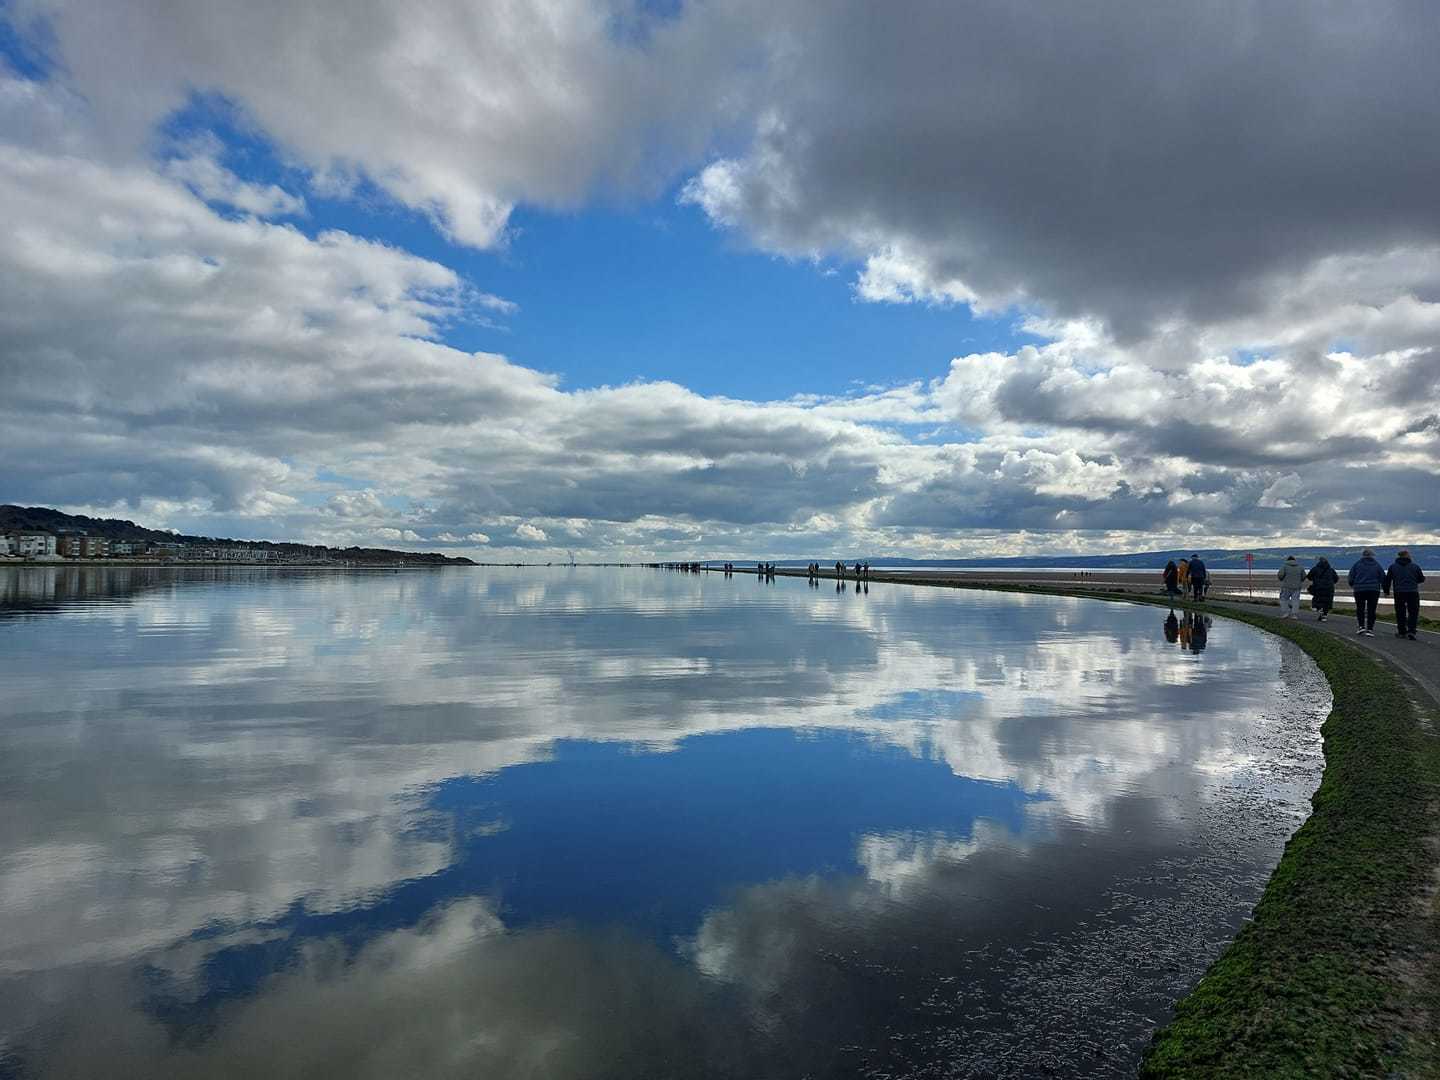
(543,102)
(526,531)
(1219,302)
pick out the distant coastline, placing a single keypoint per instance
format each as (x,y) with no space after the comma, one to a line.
(42,536)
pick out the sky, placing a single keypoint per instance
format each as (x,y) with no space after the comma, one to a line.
(642,280)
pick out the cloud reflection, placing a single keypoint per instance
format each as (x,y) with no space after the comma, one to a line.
(283,742)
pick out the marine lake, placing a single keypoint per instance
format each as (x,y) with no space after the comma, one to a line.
(620,823)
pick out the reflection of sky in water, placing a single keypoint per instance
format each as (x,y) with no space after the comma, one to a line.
(628,822)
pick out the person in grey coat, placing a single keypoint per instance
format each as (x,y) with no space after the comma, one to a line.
(1366,580)
(1292,578)
(1403,579)
(1322,578)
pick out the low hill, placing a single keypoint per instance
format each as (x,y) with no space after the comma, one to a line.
(42,517)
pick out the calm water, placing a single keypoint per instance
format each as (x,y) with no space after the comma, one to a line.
(580,823)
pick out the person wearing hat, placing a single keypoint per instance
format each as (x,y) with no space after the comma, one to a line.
(1292,578)
(1199,577)
(1366,580)
(1404,578)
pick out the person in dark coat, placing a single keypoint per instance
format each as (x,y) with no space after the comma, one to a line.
(1366,580)
(1322,578)
(1403,579)
(1199,577)
(1171,576)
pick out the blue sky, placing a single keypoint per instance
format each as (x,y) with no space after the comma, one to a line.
(646,281)
(646,290)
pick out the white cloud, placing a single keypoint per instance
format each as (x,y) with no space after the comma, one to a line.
(526,531)
(218,371)
(202,172)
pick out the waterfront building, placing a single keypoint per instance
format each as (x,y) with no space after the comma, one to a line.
(32,543)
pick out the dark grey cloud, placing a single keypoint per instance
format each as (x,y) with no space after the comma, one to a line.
(1140,164)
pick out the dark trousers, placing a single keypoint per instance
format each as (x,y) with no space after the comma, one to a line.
(1198,584)
(1365,604)
(1407,611)
(1322,601)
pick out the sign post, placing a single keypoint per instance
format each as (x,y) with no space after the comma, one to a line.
(1250,572)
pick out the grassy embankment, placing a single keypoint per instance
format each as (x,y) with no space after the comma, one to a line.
(1338,971)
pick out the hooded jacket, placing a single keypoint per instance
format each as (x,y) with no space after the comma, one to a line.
(1323,578)
(1403,576)
(1366,575)
(1291,575)
(1197,570)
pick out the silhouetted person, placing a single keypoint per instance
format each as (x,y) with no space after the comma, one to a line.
(1366,580)
(1322,577)
(1171,576)
(1403,579)
(1172,627)
(1198,577)
(1200,636)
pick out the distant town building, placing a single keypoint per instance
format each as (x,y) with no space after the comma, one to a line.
(94,547)
(32,543)
(127,547)
(6,545)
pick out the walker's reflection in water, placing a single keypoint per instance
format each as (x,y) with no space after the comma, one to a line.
(579,823)
(1190,630)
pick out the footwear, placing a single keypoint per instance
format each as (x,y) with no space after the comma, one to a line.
(1361,631)
(1410,636)
(1369,633)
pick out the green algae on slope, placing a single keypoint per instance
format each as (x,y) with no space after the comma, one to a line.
(1331,977)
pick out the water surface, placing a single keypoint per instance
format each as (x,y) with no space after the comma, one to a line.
(586,823)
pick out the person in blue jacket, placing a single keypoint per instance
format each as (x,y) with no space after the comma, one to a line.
(1366,580)
(1403,579)
(1198,577)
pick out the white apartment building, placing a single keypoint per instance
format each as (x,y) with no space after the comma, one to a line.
(32,543)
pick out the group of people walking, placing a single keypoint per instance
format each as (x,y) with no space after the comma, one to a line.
(861,570)
(1367,581)
(1186,577)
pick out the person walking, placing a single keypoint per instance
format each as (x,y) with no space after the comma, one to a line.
(1366,580)
(1199,577)
(1171,576)
(1182,570)
(1292,577)
(1322,578)
(1403,579)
